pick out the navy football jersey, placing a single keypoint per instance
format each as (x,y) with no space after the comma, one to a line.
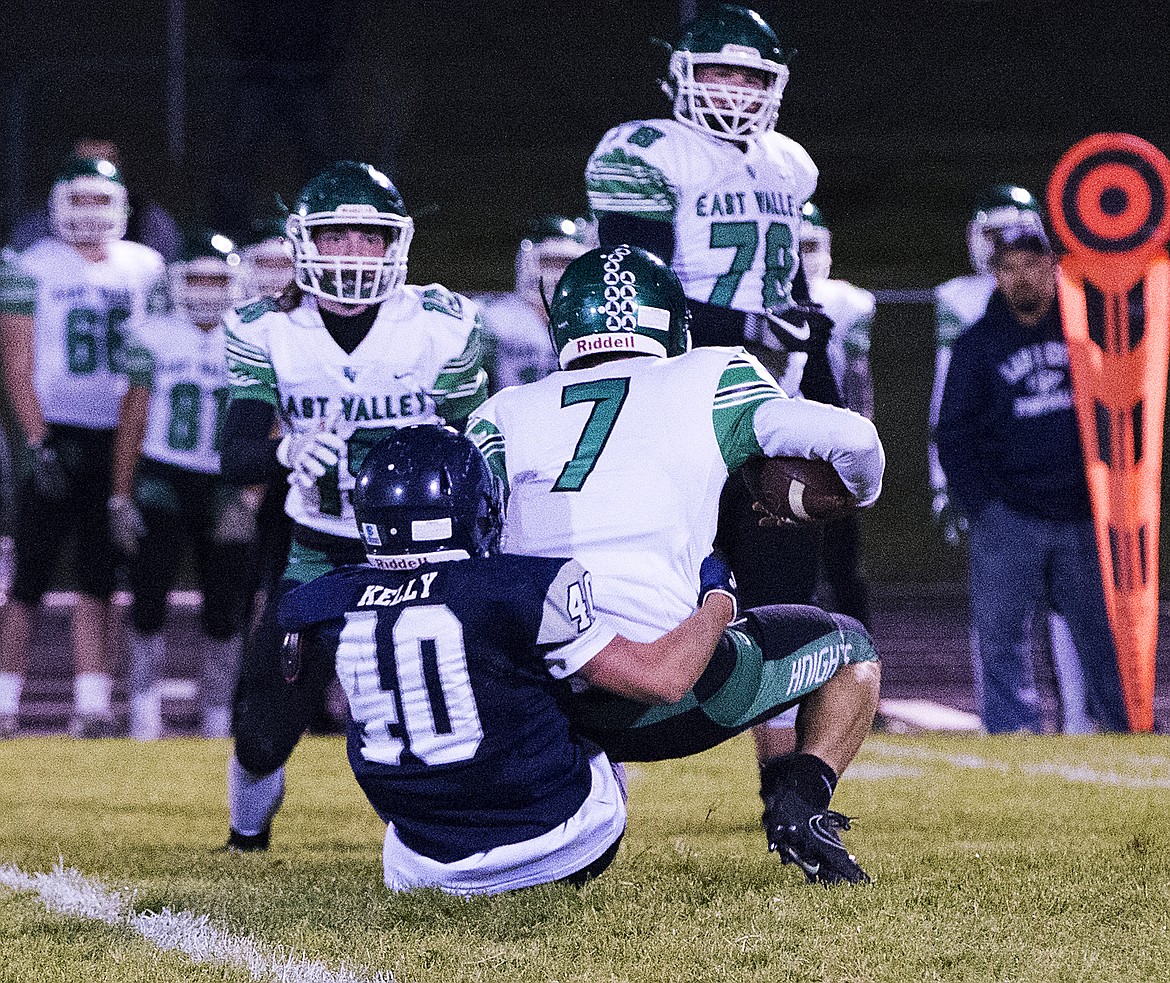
(456,735)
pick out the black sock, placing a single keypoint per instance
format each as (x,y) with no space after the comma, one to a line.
(806,774)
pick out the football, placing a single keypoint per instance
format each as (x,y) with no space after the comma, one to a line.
(798,489)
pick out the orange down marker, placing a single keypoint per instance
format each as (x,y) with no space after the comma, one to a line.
(1108,199)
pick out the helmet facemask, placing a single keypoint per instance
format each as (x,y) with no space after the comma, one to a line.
(268,266)
(206,287)
(351,279)
(88,209)
(984,225)
(730,112)
(815,257)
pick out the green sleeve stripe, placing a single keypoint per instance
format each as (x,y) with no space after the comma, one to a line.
(140,367)
(857,338)
(948,327)
(470,357)
(490,442)
(457,405)
(246,376)
(18,292)
(238,348)
(741,390)
(253,389)
(622,182)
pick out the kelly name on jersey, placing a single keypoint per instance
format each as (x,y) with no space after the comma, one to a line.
(735,211)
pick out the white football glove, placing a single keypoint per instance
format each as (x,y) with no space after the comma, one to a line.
(310,455)
(126,525)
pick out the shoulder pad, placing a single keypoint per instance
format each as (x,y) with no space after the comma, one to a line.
(438,298)
(257,309)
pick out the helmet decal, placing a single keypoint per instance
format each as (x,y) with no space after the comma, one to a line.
(622,300)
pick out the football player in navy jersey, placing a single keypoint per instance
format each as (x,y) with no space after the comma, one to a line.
(451,668)
(458,675)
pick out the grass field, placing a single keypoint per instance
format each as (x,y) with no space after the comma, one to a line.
(994,859)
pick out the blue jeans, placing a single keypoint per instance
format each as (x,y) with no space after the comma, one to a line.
(1016,562)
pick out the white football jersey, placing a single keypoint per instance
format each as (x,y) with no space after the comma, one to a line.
(420,361)
(851,310)
(183,367)
(621,465)
(959,303)
(735,212)
(518,339)
(79,312)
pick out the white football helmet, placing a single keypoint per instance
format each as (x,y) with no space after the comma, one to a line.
(1000,206)
(88,202)
(552,243)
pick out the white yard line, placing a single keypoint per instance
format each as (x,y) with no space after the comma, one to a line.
(66,891)
(1078,773)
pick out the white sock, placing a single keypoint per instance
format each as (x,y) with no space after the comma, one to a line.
(252,799)
(91,694)
(11,684)
(217,721)
(146,714)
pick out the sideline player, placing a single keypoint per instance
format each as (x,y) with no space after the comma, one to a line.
(619,461)
(451,654)
(168,497)
(959,303)
(349,350)
(516,347)
(64,304)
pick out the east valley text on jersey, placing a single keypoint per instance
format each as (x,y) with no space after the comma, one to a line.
(735,212)
(456,736)
(420,361)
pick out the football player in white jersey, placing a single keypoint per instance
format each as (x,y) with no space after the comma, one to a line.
(718,193)
(516,348)
(959,303)
(619,461)
(64,304)
(851,310)
(168,498)
(349,350)
(715,191)
(267,267)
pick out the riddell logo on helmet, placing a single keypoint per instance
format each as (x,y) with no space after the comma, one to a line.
(605,344)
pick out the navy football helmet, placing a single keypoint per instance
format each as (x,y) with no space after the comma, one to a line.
(425,493)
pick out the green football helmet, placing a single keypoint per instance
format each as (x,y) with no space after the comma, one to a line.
(552,242)
(815,243)
(349,193)
(622,300)
(735,38)
(88,202)
(998,207)
(207,278)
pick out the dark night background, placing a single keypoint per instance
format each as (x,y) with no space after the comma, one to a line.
(484,114)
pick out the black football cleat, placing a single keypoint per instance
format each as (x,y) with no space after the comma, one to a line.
(809,838)
(243,843)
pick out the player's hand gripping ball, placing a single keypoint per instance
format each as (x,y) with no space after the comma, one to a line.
(796,490)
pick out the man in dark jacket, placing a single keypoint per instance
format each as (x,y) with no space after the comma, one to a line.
(1008,442)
